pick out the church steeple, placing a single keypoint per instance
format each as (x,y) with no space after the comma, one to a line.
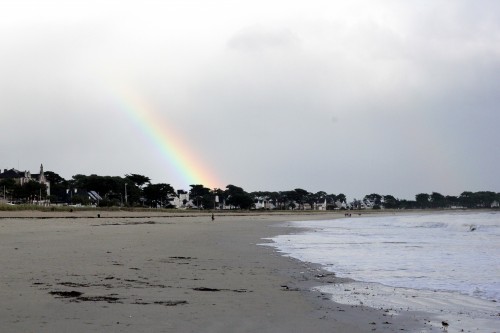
(43,180)
(41,176)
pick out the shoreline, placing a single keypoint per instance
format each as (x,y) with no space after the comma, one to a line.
(466,312)
(45,212)
(170,274)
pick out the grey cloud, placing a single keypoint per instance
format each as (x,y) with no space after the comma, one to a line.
(335,101)
(258,38)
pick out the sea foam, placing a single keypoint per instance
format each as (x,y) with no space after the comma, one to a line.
(450,260)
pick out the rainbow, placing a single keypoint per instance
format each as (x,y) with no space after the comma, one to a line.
(170,145)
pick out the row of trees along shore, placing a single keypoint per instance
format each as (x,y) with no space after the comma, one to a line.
(135,190)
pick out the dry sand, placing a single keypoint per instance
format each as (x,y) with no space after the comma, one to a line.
(146,272)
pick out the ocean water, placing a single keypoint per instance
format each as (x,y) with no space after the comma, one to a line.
(453,257)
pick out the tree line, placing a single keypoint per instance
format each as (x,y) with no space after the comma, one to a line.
(467,199)
(135,190)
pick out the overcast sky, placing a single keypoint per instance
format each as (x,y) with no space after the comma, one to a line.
(359,97)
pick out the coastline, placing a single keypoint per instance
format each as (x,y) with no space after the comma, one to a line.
(168,273)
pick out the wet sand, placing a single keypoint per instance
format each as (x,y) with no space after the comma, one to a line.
(157,272)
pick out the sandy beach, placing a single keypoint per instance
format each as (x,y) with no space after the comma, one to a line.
(157,272)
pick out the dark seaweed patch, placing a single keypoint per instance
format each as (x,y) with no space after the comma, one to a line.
(206,289)
(73,285)
(171,303)
(109,299)
(183,258)
(67,294)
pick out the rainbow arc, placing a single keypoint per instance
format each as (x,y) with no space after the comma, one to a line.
(169,144)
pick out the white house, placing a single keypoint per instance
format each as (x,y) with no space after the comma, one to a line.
(182,200)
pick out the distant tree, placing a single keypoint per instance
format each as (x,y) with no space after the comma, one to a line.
(356,204)
(407,204)
(330,201)
(437,200)
(138,180)
(58,186)
(312,199)
(31,190)
(391,202)
(135,184)
(207,200)
(484,198)
(422,200)
(286,198)
(375,198)
(321,194)
(316,198)
(54,178)
(8,187)
(158,195)
(452,200)
(197,193)
(467,199)
(104,185)
(135,194)
(9,183)
(80,200)
(289,198)
(112,189)
(237,197)
(274,198)
(341,197)
(300,196)
(331,198)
